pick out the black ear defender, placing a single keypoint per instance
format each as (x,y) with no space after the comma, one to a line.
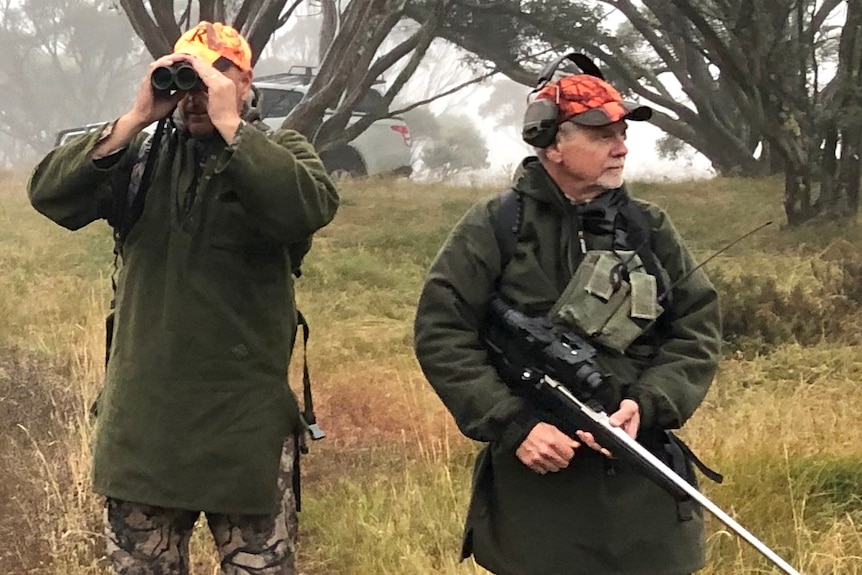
(541,116)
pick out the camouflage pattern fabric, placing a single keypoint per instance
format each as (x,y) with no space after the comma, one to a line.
(582,92)
(588,100)
(149,540)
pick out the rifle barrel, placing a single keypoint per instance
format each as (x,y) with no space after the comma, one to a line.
(601,419)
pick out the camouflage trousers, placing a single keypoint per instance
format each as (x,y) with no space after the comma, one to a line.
(149,540)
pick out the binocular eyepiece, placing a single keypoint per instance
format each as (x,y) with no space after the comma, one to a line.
(178,76)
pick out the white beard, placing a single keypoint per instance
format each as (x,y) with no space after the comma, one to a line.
(611,181)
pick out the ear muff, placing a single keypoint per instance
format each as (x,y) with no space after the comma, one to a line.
(540,125)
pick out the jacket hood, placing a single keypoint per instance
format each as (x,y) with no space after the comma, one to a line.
(533,180)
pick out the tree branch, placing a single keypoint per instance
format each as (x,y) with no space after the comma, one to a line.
(155,41)
(449,92)
(164,15)
(265,24)
(821,15)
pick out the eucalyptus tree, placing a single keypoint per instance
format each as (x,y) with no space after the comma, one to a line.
(446,144)
(840,179)
(741,81)
(65,62)
(771,52)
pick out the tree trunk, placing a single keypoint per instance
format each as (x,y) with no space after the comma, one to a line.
(830,194)
(328,27)
(789,135)
(797,194)
(790,142)
(849,171)
(849,109)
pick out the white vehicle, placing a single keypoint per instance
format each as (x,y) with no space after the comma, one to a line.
(383,148)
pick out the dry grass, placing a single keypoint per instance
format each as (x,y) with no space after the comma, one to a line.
(386,492)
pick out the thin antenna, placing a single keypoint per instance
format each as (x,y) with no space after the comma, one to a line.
(652,322)
(710,258)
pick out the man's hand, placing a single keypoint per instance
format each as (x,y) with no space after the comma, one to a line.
(222,100)
(546,449)
(628,417)
(149,107)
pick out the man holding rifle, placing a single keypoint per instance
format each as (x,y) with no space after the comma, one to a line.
(570,245)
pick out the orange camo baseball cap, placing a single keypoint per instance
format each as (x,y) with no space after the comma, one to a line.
(210,41)
(590,101)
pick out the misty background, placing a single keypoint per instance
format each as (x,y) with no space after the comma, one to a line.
(739,88)
(71,63)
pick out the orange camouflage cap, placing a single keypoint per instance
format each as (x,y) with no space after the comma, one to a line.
(590,101)
(211,41)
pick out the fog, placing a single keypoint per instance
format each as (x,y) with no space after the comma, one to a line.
(77,94)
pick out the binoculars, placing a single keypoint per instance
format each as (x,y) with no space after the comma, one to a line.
(178,76)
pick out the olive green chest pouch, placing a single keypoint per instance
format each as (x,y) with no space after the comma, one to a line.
(611,299)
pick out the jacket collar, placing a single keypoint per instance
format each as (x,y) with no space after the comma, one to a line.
(533,180)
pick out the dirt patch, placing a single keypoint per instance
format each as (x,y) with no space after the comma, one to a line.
(35,408)
(373,406)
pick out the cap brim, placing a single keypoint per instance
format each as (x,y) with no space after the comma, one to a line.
(637,112)
(600,117)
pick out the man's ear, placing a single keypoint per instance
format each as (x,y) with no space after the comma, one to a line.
(245,85)
(553,153)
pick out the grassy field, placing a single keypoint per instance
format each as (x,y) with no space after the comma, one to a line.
(386,492)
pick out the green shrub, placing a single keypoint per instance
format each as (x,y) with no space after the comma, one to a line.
(762,310)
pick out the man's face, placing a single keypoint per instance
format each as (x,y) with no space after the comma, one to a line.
(590,156)
(193,106)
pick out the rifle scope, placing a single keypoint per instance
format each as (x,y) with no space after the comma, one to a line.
(526,341)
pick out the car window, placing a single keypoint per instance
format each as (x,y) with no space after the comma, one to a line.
(277,103)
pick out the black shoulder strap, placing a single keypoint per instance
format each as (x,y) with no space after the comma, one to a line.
(127,208)
(129,202)
(308,419)
(640,237)
(507,224)
(308,416)
(688,454)
(138,188)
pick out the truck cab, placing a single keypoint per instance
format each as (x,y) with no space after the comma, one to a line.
(383,148)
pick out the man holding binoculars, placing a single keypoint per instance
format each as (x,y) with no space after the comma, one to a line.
(196,415)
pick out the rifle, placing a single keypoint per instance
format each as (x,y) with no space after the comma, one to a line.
(557,369)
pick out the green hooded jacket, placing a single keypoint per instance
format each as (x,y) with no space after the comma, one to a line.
(595,517)
(196,405)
